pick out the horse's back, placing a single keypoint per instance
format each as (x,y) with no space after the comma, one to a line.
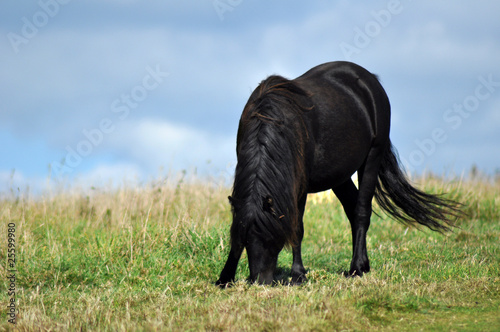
(351,113)
(341,82)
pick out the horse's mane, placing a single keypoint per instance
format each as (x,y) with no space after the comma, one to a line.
(270,170)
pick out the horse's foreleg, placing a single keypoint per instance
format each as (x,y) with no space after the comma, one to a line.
(228,273)
(298,270)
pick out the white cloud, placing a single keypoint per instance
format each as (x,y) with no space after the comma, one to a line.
(156,143)
(16,184)
(109,176)
(65,79)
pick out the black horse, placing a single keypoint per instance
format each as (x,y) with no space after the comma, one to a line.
(308,135)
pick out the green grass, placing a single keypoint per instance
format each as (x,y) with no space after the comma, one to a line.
(146,258)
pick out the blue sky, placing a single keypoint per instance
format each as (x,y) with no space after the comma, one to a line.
(94,92)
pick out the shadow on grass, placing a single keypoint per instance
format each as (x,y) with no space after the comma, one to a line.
(282,277)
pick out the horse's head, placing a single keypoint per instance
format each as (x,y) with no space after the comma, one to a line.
(262,256)
(262,245)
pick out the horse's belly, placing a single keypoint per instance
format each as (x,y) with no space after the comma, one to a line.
(334,164)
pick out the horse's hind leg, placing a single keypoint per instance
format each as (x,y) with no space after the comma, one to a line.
(347,193)
(360,222)
(298,270)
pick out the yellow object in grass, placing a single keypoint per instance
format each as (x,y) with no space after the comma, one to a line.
(327,196)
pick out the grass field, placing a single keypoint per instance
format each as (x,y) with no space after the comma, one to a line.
(145,258)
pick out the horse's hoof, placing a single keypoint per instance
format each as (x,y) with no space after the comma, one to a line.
(298,280)
(353,274)
(223,284)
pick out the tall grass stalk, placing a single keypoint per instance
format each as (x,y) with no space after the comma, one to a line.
(146,257)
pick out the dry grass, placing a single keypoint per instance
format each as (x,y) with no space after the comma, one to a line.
(145,258)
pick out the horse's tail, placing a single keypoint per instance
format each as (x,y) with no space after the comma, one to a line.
(405,203)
